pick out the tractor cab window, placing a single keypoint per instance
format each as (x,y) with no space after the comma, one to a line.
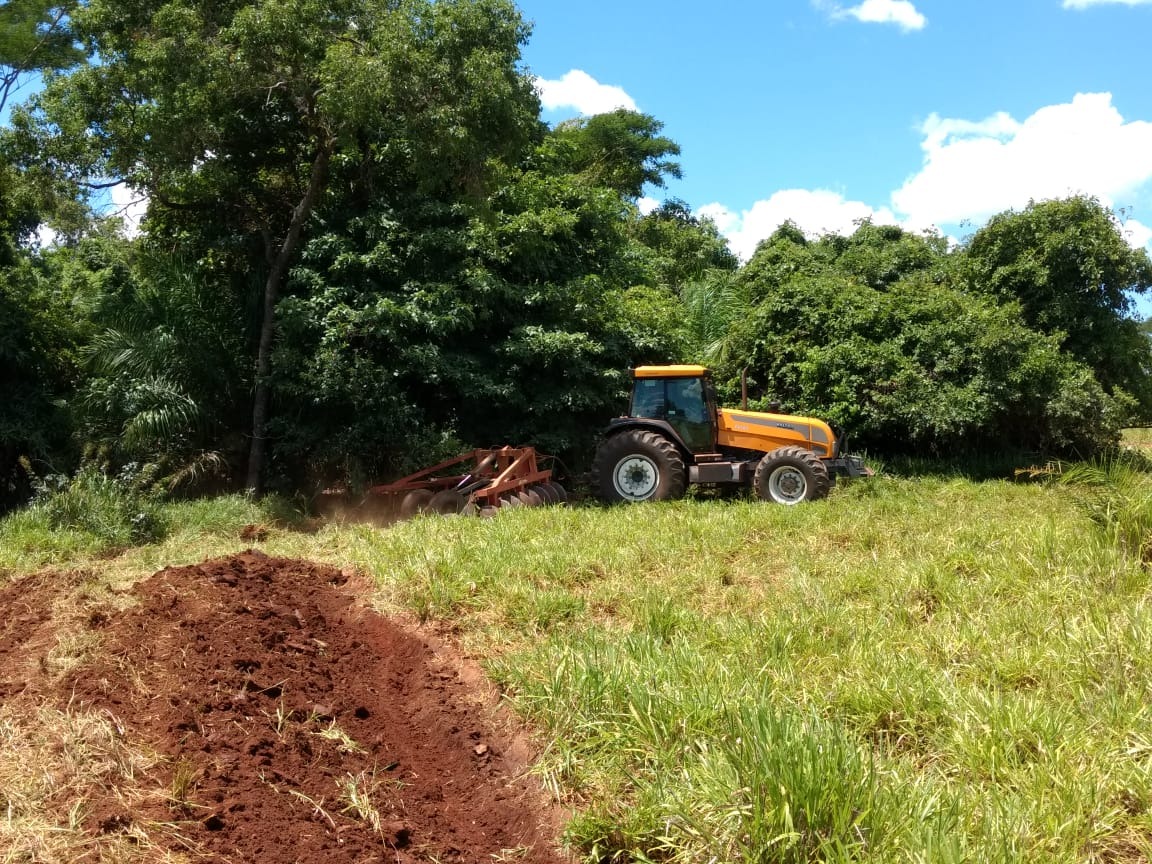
(684,402)
(648,399)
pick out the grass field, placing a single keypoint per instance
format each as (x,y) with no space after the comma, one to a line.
(926,670)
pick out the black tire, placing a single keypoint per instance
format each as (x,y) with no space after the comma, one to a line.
(638,465)
(789,475)
(447,502)
(415,502)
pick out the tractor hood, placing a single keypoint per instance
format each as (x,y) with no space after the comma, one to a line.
(754,430)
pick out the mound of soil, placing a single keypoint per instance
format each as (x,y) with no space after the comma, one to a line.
(300,726)
(27,628)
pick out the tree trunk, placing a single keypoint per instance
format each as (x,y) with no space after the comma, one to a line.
(276,276)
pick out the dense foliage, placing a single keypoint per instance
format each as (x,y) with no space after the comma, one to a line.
(882,333)
(363,249)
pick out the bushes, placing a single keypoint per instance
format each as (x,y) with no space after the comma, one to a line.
(917,366)
(92,512)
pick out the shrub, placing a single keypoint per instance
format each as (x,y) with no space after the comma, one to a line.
(107,508)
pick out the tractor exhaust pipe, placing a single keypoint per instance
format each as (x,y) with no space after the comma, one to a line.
(744,389)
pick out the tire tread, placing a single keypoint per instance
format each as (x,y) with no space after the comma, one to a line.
(614,448)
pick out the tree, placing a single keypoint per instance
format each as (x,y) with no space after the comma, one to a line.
(38,340)
(680,248)
(877,333)
(1073,273)
(434,323)
(236,119)
(919,368)
(621,150)
(164,369)
(34,35)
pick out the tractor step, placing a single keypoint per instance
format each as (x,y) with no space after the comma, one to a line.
(720,472)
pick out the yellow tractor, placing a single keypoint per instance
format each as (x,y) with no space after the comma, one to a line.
(675,434)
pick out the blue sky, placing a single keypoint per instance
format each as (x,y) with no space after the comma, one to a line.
(924,113)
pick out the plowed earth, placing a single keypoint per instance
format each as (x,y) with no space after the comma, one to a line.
(296,724)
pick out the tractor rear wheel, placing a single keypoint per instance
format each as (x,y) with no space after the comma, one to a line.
(789,475)
(638,465)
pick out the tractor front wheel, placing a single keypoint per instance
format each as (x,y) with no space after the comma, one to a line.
(637,465)
(789,475)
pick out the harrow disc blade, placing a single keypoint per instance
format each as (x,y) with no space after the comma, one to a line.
(447,502)
(559,492)
(535,499)
(415,502)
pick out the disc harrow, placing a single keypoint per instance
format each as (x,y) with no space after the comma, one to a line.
(476,483)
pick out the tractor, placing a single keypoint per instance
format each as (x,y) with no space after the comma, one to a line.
(675,434)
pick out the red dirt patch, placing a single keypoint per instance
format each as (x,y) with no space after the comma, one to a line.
(280,701)
(26,626)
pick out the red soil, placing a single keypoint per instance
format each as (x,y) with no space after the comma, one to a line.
(246,671)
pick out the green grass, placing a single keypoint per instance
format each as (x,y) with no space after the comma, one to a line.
(925,670)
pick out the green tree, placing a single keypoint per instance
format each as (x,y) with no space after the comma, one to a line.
(239,119)
(38,343)
(621,150)
(34,35)
(1073,273)
(165,373)
(919,368)
(878,333)
(680,248)
(509,320)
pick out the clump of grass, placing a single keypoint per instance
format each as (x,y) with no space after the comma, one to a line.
(343,741)
(1118,498)
(357,791)
(92,513)
(781,788)
(183,785)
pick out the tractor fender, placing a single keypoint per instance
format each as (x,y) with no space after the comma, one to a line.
(661,427)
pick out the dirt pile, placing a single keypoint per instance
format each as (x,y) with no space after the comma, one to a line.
(299,726)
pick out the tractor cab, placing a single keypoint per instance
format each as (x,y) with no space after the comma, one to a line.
(681,396)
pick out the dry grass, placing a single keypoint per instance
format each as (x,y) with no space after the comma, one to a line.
(53,765)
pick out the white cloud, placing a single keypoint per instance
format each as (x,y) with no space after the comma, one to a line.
(577,89)
(45,236)
(1136,233)
(815,212)
(973,170)
(1084,4)
(902,13)
(130,205)
(646,205)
